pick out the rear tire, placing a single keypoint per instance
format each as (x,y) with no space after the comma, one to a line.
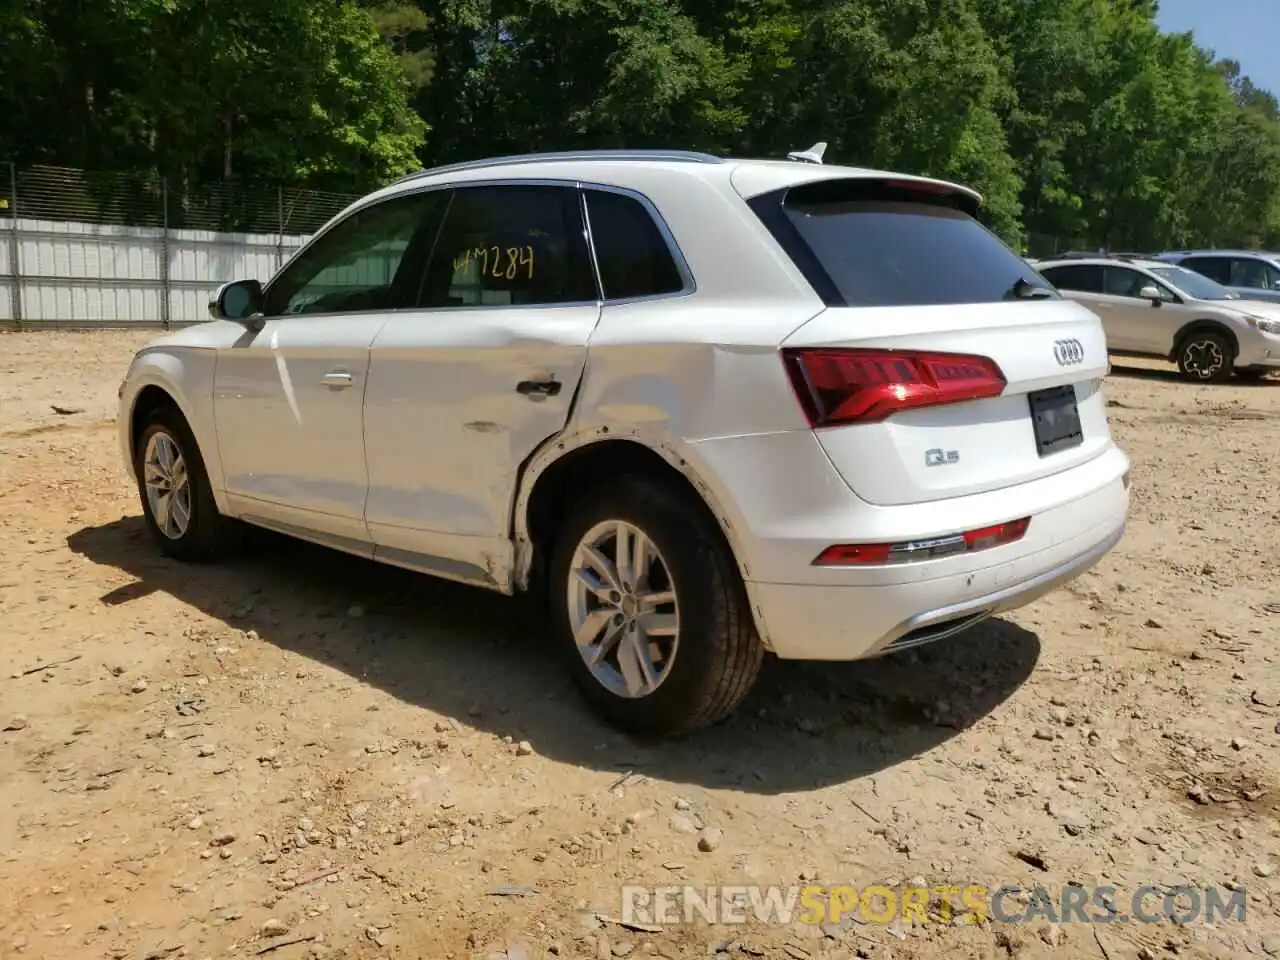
(1206,357)
(177,499)
(673,644)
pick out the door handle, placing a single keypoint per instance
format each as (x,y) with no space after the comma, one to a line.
(337,379)
(536,389)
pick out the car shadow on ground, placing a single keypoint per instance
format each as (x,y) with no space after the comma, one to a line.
(487,661)
(1171,375)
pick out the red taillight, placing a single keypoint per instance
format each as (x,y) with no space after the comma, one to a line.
(970,541)
(838,385)
(853,554)
(996,535)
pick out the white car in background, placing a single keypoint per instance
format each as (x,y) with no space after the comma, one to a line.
(1154,309)
(708,408)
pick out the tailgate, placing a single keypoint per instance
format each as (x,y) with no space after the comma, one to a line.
(1052,355)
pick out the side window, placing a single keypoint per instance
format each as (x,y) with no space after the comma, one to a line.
(510,246)
(1122,282)
(1215,268)
(1082,279)
(1257,274)
(633,257)
(372,260)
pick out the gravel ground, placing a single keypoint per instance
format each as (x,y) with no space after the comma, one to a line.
(299,754)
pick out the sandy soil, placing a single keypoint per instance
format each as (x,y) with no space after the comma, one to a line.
(299,754)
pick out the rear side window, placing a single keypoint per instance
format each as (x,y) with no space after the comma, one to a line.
(865,243)
(1082,279)
(1121,282)
(1215,268)
(510,245)
(1257,274)
(633,256)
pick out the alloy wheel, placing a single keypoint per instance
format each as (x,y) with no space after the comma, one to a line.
(1203,358)
(167,485)
(623,609)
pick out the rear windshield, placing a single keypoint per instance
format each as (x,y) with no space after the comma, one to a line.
(864,245)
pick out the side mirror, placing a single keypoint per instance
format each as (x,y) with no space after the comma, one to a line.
(1151,293)
(241,301)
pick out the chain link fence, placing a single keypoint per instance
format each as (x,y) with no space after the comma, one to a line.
(97,249)
(1042,246)
(84,248)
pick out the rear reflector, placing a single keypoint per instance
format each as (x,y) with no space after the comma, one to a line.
(837,385)
(971,541)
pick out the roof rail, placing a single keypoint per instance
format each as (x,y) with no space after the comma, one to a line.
(1099,255)
(678,156)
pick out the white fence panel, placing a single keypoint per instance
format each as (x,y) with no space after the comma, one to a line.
(68,274)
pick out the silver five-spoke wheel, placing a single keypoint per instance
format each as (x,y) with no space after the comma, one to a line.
(168,490)
(623,609)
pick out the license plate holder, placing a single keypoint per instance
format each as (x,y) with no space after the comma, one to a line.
(1055,418)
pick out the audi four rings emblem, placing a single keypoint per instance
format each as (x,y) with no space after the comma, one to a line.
(1068,352)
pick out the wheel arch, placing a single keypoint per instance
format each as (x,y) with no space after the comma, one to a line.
(1204,325)
(176,378)
(147,401)
(567,467)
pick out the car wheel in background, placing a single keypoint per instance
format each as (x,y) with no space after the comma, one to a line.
(177,500)
(650,611)
(1205,357)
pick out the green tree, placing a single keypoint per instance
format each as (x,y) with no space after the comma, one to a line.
(556,74)
(302,91)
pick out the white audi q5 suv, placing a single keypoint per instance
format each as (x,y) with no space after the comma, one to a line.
(707,407)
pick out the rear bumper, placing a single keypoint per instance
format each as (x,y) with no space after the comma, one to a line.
(782,504)
(922,602)
(856,623)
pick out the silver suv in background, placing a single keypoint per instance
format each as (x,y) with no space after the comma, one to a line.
(1254,274)
(1156,309)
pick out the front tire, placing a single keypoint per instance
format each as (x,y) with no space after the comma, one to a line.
(650,612)
(177,499)
(1206,357)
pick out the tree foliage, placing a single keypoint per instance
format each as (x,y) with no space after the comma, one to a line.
(1078,120)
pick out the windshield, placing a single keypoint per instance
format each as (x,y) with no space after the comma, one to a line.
(1193,284)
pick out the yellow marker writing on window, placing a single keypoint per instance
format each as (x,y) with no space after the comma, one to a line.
(497,262)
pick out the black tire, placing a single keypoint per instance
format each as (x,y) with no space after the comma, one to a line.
(1206,356)
(208,535)
(719,653)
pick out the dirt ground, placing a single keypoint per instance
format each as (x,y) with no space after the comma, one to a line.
(299,754)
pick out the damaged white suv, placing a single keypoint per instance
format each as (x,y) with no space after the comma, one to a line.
(710,407)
